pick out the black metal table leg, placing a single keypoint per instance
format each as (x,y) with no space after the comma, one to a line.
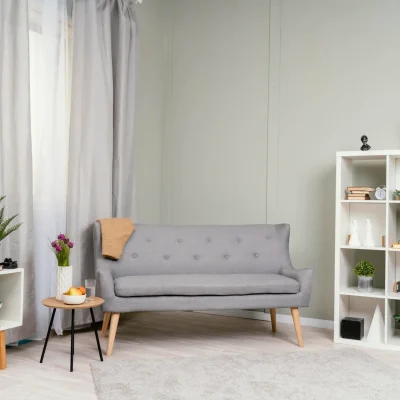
(48,334)
(95,332)
(72,341)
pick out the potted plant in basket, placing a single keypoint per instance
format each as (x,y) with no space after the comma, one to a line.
(61,247)
(397,194)
(365,272)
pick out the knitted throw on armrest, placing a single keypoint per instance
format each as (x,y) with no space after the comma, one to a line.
(115,232)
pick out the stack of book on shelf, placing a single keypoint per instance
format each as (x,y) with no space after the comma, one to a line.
(359,193)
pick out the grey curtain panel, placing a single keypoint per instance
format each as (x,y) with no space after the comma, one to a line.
(15,149)
(101,179)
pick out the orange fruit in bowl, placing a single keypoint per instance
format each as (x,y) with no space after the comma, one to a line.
(75,292)
(82,290)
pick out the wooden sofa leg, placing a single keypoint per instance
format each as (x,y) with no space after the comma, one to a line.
(112,333)
(3,362)
(297,327)
(272,311)
(106,324)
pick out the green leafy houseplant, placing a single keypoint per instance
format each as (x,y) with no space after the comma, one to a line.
(364,268)
(397,194)
(5,228)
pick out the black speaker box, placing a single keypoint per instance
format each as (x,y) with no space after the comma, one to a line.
(352,328)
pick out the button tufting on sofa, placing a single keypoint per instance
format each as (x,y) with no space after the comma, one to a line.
(149,240)
(194,276)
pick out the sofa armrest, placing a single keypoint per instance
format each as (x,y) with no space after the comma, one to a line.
(106,284)
(305,278)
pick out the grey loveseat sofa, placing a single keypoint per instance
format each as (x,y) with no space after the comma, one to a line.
(200,268)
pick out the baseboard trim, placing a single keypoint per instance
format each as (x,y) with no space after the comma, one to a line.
(264,316)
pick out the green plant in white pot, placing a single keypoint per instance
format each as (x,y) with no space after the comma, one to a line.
(397,194)
(365,272)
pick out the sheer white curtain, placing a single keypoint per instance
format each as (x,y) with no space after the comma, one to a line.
(49,36)
(15,149)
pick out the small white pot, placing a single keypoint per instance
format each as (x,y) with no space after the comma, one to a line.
(365,284)
(64,281)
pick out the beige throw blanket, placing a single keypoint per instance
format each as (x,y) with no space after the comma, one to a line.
(115,232)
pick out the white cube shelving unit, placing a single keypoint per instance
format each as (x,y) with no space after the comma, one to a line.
(371,168)
(12,298)
(11,294)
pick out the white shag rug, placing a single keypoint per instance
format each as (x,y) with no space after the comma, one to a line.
(326,375)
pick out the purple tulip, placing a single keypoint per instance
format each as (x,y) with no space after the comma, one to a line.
(66,240)
(53,244)
(61,236)
(58,248)
(71,245)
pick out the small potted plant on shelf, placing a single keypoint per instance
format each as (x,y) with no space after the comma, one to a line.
(5,230)
(397,194)
(396,317)
(365,272)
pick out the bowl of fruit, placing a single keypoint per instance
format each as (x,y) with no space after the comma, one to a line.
(75,295)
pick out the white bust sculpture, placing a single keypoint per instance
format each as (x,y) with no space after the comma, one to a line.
(369,240)
(354,238)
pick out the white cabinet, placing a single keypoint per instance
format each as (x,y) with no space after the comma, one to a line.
(12,298)
(371,169)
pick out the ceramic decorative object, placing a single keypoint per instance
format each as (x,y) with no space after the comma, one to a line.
(354,238)
(369,240)
(365,146)
(64,281)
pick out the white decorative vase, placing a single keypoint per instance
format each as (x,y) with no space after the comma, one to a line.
(64,281)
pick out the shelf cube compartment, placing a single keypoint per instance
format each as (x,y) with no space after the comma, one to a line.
(11,296)
(393,328)
(366,171)
(394,224)
(393,177)
(393,272)
(349,280)
(361,212)
(373,312)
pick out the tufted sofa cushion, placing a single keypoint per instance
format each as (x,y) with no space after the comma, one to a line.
(204,285)
(165,250)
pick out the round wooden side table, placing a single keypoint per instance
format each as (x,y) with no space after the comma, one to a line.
(51,302)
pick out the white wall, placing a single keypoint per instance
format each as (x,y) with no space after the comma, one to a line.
(216,133)
(339,78)
(150,109)
(251,87)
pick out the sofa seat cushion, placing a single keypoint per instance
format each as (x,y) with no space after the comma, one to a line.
(204,285)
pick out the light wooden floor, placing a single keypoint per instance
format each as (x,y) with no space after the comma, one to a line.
(149,336)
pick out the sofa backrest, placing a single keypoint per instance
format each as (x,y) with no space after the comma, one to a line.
(164,250)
